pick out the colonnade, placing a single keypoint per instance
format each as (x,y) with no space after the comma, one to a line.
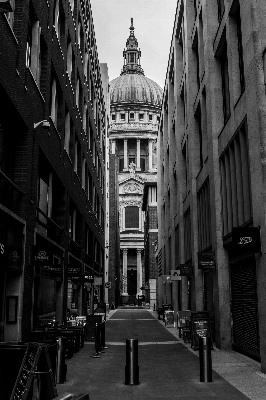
(138,154)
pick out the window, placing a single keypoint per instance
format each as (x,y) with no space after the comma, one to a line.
(10,15)
(221,9)
(72,223)
(141,117)
(56,104)
(59,20)
(33,47)
(77,93)
(235,181)
(123,116)
(187,235)
(131,115)
(132,217)
(142,164)
(225,83)
(121,163)
(113,117)
(237,53)
(150,117)
(204,216)
(69,59)
(67,133)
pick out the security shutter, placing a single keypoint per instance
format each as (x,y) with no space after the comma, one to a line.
(245,306)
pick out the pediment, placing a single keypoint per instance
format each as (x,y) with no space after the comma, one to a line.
(131,186)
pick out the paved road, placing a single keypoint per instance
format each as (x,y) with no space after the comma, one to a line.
(167,369)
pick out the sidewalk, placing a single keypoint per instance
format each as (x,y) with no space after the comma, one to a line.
(168,368)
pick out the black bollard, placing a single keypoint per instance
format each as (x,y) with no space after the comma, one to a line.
(61,364)
(205,359)
(97,339)
(132,368)
(103,336)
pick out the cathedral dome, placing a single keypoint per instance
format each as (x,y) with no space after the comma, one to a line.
(135,88)
(132,86)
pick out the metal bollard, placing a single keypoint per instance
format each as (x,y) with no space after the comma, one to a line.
(132,368)
(205,359)
(103,336)
(61,363)
(97,339)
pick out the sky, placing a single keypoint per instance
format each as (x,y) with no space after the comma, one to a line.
(153,21)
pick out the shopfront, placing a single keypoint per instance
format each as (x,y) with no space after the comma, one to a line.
(245,317)
(11,276)
(47,260)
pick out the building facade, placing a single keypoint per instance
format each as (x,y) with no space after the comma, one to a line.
(211,169)
(149,208)
(135,102)
(52,159)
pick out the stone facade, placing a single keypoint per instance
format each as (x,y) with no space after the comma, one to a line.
(211,169)
(134,113)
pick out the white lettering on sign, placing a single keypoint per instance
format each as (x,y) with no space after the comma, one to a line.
(2,248)
(245,240)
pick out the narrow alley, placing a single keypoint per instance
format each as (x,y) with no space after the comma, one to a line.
(168,368)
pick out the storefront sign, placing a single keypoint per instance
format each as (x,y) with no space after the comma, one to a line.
(98,280)
(246,240)
(88,277)
(54,270)
(13,257)
(206,260)
(42,255)
(175,275)
(2,250)
(185,269)
(73,271)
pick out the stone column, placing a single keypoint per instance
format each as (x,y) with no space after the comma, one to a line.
(150,154)
(138,154)
(124,272)
(139,272)
(125,154)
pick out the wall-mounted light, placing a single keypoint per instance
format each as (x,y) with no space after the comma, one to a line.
(44,124)
(5,6)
